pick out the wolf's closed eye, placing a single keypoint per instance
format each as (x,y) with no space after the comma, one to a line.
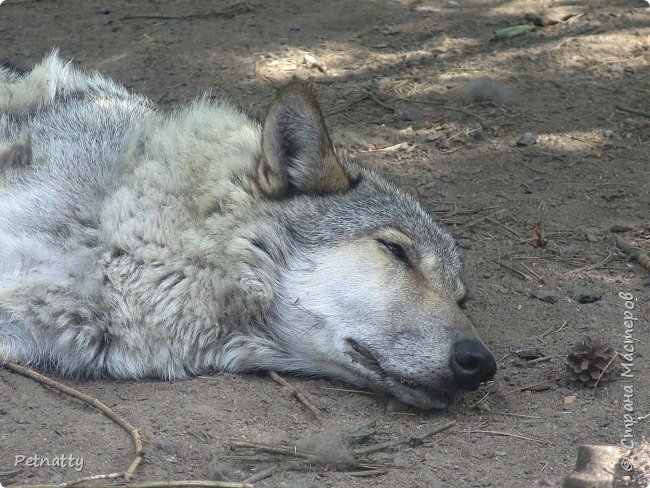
(396,250)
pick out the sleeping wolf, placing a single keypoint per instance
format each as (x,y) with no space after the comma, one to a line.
(136,243)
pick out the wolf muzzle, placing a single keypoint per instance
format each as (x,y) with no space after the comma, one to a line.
(471,364)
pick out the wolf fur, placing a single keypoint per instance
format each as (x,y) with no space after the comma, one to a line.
(136,243)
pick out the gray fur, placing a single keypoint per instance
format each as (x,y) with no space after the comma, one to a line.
(138,244)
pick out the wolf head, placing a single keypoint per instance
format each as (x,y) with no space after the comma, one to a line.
(371,284)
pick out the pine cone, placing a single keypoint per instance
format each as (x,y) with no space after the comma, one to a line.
(588,359)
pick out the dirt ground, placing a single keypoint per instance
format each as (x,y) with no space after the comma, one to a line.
(419,90)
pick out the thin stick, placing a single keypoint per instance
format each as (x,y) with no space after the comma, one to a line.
(553,331)
(394,147)
(378,101)
(347,390)
(346,105)
(511,232)
(518,273)
(262,475)
(528,387)
(634,111)
(367,473)
(541,280)
(11,472)
(155,484)
(388,444)
(507,434)
(521,415)
(93,402)
(591,266)
(480,400)
(531,168)
(299,396)
(109,476)
(293,451)
(478,220)
(539,360)
(604,370)
(234,9)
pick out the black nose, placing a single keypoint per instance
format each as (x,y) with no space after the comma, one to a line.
(471,363)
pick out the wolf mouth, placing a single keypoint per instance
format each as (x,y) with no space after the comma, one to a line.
(362,356)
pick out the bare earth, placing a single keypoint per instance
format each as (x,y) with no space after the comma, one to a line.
(397,81)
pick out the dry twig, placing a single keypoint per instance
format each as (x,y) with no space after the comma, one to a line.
(517,272)
(634,111)
(480,219)
(262,475)
(348,390)
(508,434)
(229,12)
(528,387)
(154,484)
(379,101)
(299,396)
(395,147)
(590,266)
(93,402)
(295,452)
(124,424)
(346,105)
(388,444)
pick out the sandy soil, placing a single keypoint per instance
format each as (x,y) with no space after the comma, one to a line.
(401,84)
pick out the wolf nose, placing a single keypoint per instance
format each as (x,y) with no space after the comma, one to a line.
(471,364)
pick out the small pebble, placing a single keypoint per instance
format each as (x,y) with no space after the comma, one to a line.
(163,445)
(294,27)
(104,11)
(616,68)
(547,296)
(594,259)
(608,133)
(568,400)
(405,115)
(529,354)
(591,237)
(527,139)
(26,53)
(444,143)
(494,112)
(501,194)
(583,294)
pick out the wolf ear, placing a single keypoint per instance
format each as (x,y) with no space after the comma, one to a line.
(297,152)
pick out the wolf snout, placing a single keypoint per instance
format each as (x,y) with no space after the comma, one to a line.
(471,364)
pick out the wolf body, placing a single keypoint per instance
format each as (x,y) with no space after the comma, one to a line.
(136,243)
